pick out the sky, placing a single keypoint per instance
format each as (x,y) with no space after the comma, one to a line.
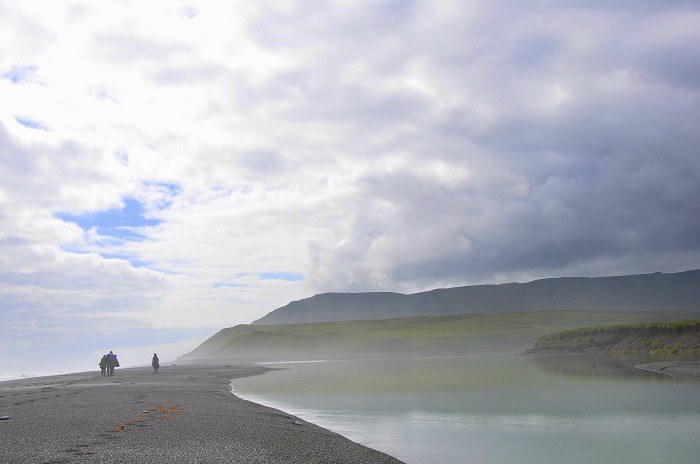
(168,169)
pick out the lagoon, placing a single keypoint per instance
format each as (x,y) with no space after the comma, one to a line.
(493,408)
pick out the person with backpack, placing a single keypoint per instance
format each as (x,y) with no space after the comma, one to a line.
(112,362)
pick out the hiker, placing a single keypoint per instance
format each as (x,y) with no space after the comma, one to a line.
(103,364)
(112,362)
(155,363)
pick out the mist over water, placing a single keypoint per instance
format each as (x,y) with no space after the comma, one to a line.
(493,408)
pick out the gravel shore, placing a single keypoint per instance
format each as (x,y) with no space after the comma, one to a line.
(182,415)
(681,369)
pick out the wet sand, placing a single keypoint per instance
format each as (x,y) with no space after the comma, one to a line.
(184,414)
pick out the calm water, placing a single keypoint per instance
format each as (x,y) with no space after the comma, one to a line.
(493,409)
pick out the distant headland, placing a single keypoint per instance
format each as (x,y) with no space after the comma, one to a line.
(679,291)
(455,320)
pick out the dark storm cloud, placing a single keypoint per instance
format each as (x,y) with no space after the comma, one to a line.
(587,113)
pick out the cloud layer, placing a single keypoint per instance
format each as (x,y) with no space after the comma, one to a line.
(260,152)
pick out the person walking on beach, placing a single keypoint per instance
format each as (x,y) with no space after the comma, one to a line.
(103,364)
(112,362)
(155,362)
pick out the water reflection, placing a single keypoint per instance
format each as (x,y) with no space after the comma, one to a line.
(593,366)
(602,366)
(401,376)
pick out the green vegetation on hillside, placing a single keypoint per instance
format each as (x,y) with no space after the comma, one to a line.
(458,334)
(674,337)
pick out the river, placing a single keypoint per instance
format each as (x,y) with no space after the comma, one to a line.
(492,408)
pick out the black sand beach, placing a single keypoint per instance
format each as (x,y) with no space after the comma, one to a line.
(182,415)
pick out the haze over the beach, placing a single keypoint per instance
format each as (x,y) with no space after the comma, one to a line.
(168,169)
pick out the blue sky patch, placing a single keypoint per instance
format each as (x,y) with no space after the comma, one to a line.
(288,276)
(173,189)
(167,190)
(31,123)
(122,155)
(227,284)
(19,74)
(121,223)
(69,249)
(134,262)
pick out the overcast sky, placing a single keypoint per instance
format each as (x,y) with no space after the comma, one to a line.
(168,169)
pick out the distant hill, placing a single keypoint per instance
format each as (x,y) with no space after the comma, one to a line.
(413,336)
(678,291)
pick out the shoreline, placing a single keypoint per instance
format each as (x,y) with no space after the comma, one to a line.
(186,413)
(687,370)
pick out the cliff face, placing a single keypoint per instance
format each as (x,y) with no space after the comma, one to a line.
(644,292)
(663,337)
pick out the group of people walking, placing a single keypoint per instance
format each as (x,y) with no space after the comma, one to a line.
(109,361)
